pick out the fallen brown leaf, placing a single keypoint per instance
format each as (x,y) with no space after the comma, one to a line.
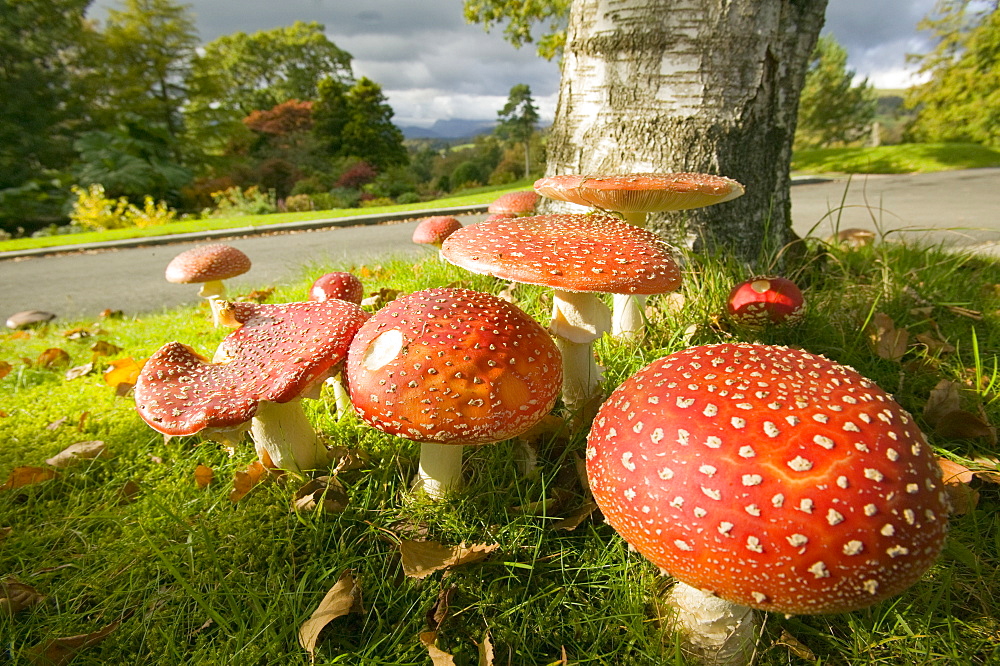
(960,424)
(992,471)
(258,295)
(486,651)
(58,423)
(422,558)
(943,398)
(245,480)
(340,600)
(5,369)
(203,476)
(377,299)
(888,341)
(16,596)
(576,518)
(74,453)
(5,532)
(438,656)
(103,348)
(324,492)
(438,613)
(956,478)
(61,650)
(78,371)
(934,344)
(26,476)
(123,371)
(128,492)
(797,647)
(52,357)
(76,333)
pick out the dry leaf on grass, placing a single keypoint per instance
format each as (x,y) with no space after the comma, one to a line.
(128,492)
(888,341)
(245,480)
(75,453)
(486,651)
(5,369)
(103,348)
(341,599)
(422,558)
(956,478)
(78,371)
(943,412)
(934,344)
(797,647)
(943,398)
(378,299)
(438,656)
(52,357)
(203,476)
(576,518)
(325,493)
(16,596)
(438,613)
(62,650)
(27,476)
(123,371)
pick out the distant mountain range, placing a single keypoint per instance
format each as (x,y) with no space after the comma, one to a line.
(455,128)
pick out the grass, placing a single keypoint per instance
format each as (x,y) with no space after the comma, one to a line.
(903,158)
(482,195)
(195,578)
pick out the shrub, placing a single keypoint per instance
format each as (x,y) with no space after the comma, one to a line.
(93,210)
(357,175)
(376,201)
(408,198)
(342,197)
(234,201)
(299,202)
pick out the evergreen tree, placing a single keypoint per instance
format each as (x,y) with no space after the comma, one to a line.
(518,119)
(330,115)
(961,99)
(832,109)
(369,133)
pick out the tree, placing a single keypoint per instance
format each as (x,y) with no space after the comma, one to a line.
(831,108)
(654,85)
(330,115)
(147,50)
(39,108)
(518,118)
(961,99)
(369,133)
(522,18)
(237,74)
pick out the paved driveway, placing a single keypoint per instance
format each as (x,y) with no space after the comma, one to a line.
(957,208)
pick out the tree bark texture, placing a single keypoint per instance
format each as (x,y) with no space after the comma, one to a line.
(706,86)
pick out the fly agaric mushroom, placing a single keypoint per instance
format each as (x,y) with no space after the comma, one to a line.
(451,367)
(519,204)
(208,265)
(347,287)
(434,230)
(764,300)
(278,355)
(634,196)
(339,284)
(766,477)
(578,256)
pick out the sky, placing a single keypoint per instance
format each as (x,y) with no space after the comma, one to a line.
(432,65)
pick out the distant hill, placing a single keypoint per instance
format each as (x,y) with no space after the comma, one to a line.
(454,128)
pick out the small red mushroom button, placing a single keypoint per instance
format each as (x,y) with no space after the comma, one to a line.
(769,477)
(764,300)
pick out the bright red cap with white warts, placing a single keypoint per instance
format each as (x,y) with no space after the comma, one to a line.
(207,263)
(433,230)
(764,300)
(515,203)
(641,192)
(583,253)
(339,284)
(278,353)
(768,476)
(453,366)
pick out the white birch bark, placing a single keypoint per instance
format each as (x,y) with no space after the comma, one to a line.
(689,85)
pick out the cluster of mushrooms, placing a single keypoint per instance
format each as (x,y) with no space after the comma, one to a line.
(759,477)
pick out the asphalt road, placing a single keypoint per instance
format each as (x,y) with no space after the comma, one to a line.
(960,208)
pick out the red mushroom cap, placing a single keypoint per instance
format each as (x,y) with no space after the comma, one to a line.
(206,263)
(453,366)
(433,230)
(516,203)
(339,284)
(770,477)
(585,253)
(278,353)
(641,192)
(765,300)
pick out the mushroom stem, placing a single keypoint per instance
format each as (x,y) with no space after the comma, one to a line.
(627,322)
(440,469)
(341,398)
(285,433)
(579,318)
(715,631)
(214,292)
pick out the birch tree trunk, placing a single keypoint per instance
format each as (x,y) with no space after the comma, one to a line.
(690,85)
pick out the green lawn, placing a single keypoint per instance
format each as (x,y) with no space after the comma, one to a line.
(903,158)
(156,569)
(479,196)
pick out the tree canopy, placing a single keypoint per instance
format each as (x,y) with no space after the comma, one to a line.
(542,22)
(369,133)
(832,109)
(961,99)
(517,120)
